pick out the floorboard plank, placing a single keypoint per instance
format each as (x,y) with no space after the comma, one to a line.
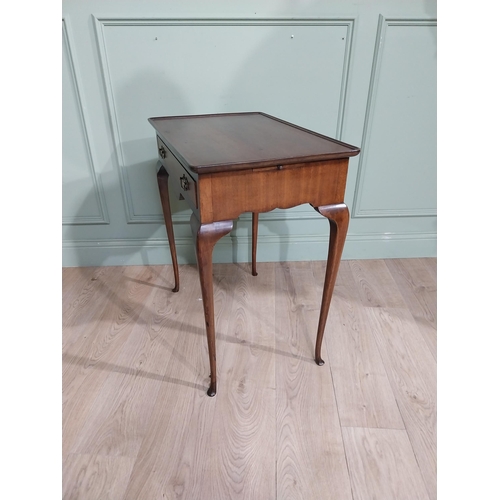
(176,454)
(431,264)
(382,465)
(89,359)
(80,306)
(375,285)
(94,477)
(418,287)
(243,436)
(409,363)
(311,461)
(119,415)
(73,281)
(364,394)
(411,369)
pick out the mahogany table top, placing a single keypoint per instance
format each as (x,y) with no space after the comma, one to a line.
(240,141)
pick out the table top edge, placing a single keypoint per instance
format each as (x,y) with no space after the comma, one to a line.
(232,166)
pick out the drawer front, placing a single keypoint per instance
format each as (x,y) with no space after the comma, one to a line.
(261,190)
(179,179)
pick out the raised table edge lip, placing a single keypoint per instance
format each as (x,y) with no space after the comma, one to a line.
(208,168)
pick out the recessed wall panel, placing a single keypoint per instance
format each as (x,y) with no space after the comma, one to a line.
(295,71)
(82,203)
(397,174)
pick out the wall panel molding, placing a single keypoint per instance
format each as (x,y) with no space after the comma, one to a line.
(357,211)
(100,23)
(103,217)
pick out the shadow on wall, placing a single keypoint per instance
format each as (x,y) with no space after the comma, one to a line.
(128,180)
(130,191)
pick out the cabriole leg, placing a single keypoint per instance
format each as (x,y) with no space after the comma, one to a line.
(255,226)
(338,217)
(162,177)
(205,237)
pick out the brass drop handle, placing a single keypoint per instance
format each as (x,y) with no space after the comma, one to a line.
(163,152)
(184,183)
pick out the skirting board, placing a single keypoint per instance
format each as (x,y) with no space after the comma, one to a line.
(85,253)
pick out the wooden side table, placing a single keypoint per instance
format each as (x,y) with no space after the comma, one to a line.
(227,164)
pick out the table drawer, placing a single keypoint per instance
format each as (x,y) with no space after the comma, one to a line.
(262,190)
(180,179)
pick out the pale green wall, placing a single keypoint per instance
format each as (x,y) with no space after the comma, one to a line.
(363,72)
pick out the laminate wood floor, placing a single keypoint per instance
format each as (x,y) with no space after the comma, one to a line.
(137,423)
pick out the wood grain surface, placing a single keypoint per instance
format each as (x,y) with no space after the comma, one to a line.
(409,363)
(138,425)
(382,465)
(236,141)
(310,453)
(225,196)
(364,394)
(417,284)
